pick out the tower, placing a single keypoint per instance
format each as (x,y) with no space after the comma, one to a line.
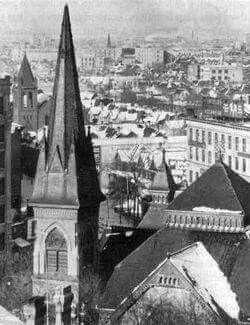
(66,195)
(25,111)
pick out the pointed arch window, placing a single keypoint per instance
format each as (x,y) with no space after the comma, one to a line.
(56,252)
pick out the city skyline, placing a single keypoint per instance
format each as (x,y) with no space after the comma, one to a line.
(143,18)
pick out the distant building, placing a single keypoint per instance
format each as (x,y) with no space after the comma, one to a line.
(208,140)
(221,72)
(25,111)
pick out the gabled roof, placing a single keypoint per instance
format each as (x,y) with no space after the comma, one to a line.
(25,75)
(131,271)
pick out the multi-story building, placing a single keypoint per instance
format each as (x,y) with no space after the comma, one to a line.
(211,140)
(149,55)
(222,71)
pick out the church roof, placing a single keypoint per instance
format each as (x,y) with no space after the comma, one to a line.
(218,188)
(25,75)
(66,171)
(131,271)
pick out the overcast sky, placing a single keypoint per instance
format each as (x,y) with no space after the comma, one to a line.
(126,18)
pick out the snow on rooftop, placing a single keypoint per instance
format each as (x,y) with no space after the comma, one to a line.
(211,210)
(199,267)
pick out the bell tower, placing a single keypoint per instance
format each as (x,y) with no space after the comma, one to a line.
(66,195)
(25,111)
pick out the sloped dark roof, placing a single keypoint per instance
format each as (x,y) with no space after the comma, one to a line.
(131,271)
(25,74)
(218,188)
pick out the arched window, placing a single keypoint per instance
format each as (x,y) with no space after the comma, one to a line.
(56,252)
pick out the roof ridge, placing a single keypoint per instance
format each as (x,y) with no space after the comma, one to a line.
(226,168)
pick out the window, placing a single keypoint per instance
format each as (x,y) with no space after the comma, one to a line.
(190,176)
(56,252)
(216,137)
(244,167)
(226,71)
(236,163)
(219,78)
(2,212)
(209,157)
(229,142)
(220,71)
(25,101)
(230,161)
(203,155)
(2,241)
(203,136)
(197,135)
(237,143)
(244,145)
(1,105)
(2,186)
(222,138)
(1,133)
(31,99)
(209,138)
(191,153)
(2,156)
(197,154)
(213,71)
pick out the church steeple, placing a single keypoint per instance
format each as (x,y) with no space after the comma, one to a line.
(67,122)
(70,175)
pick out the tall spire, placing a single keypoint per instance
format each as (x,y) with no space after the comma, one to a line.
(109,42)
(69,171)
(67,117)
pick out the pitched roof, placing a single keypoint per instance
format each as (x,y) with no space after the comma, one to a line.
(217,188)
(25,75)
(131,271)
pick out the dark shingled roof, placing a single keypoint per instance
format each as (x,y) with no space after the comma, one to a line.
(218,188)
(130,272)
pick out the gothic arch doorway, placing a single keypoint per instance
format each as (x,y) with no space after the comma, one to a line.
(56,252)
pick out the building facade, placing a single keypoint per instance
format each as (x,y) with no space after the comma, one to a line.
(210,140)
